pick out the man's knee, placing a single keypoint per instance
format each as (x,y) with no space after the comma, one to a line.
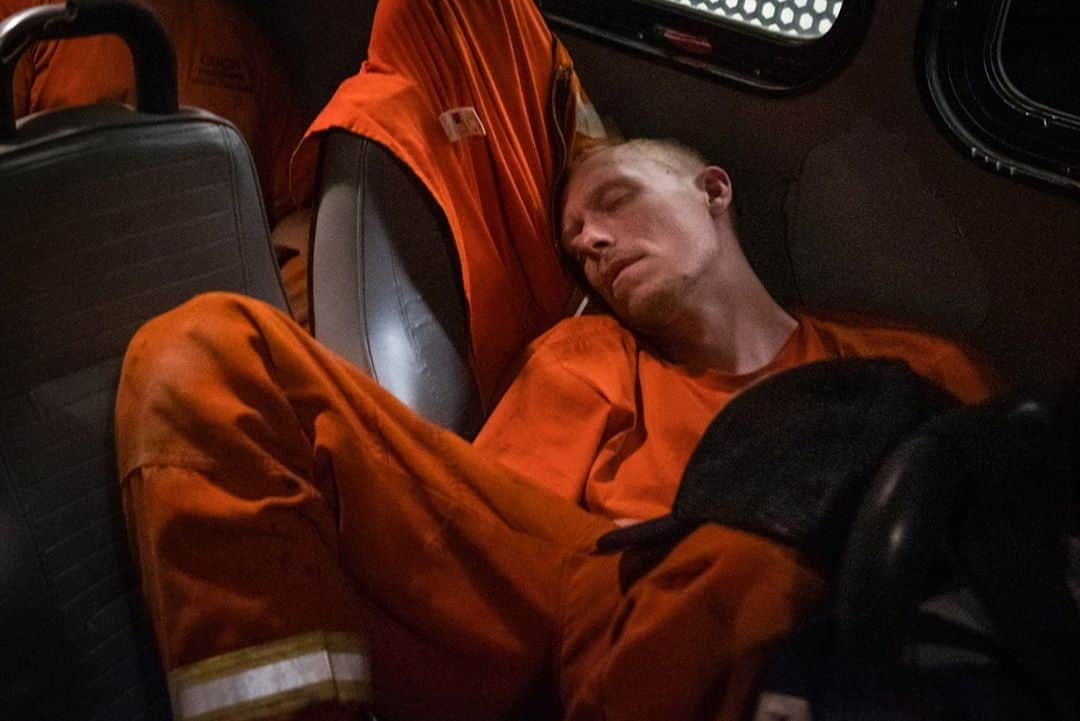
(205,333)
(192,375)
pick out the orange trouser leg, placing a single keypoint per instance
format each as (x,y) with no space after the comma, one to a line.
(273,489)
(689,639)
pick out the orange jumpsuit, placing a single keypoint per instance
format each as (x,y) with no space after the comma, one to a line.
(224,63)
(638,418)
(273,490)
(481,102)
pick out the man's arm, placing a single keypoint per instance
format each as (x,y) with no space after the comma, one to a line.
(958,369)
(964,373)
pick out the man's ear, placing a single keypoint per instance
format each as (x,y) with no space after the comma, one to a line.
(717,185)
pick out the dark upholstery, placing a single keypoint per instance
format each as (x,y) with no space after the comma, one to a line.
(107,217)
(386,289)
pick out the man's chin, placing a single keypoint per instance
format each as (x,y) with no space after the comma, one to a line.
(647,316)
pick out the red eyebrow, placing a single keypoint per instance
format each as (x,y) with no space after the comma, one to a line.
(598,191)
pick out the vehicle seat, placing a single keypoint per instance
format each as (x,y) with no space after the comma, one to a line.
(109,216)
(385,283)
(844,255)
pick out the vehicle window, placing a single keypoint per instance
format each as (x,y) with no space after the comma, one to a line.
(1038,52)
(1002,78)
(804,19)
(767,45)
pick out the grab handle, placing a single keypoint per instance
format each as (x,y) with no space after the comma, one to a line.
(151,51)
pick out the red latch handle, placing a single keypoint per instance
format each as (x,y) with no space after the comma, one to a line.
(686,42)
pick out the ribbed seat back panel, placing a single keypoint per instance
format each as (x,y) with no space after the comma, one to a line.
(106,222)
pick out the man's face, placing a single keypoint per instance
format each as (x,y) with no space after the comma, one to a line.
(643,233)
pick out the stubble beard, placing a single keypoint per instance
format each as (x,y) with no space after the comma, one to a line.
(653,312)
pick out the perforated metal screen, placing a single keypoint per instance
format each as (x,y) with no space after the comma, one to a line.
(804,19)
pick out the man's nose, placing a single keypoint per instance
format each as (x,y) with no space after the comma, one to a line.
(595,239)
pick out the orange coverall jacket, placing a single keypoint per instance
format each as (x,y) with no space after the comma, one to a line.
(273,491)
(224,64)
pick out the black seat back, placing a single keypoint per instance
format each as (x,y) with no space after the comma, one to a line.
(108,217)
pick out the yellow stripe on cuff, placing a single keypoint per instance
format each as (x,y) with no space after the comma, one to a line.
(273,678)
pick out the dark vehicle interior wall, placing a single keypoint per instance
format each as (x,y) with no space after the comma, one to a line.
(855,171)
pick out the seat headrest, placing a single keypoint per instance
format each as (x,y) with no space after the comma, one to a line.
(867,234)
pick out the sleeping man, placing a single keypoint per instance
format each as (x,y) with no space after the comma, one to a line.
(308,545)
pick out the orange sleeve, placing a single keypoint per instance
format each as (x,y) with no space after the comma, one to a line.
(21,84)
(950,365)
(23,81)
(572,396)
(65,73)
(963,373)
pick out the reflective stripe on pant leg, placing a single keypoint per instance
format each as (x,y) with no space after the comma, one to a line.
(273,678)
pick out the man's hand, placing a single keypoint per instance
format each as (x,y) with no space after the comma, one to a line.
(291,239)
(781,707)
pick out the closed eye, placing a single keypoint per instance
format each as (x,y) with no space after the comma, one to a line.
(613,198)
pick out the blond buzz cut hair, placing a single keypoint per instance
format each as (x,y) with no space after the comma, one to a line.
(669,153)
(665,151)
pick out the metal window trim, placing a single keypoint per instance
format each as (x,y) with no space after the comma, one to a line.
(967,90)
(735,24)
(999,75)
(741,55)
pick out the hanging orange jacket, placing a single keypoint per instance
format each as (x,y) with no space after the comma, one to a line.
(224,62)
(480,100)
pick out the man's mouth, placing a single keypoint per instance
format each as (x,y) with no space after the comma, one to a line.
(613,271)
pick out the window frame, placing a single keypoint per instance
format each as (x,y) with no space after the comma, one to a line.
(968,91)
(750,58)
